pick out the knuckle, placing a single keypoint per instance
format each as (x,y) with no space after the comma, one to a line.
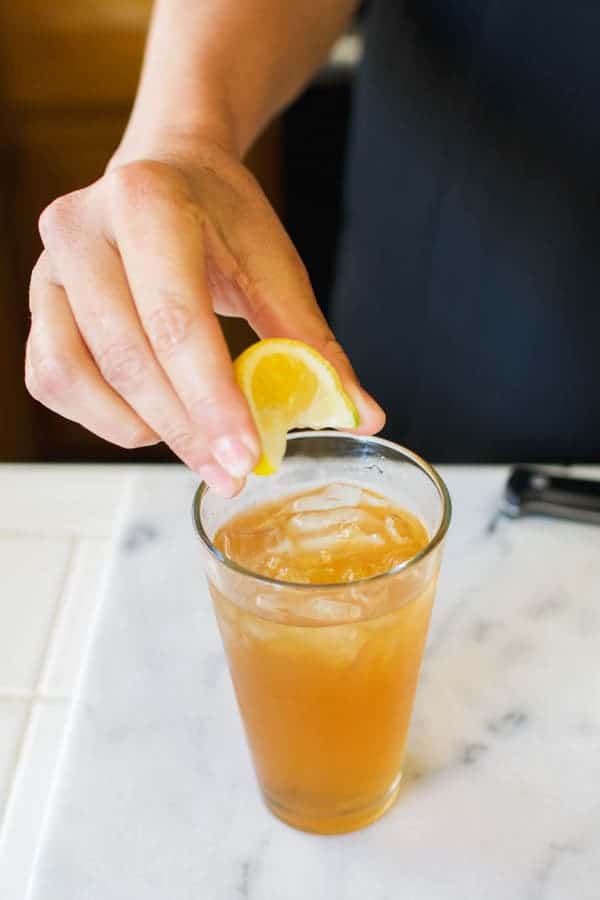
(138,436)
(169,325)
(122,364)
(59,219)
(135,181)
(209,410)
(136,184)
(225,411)
(39,270)
(48,378)
(184,444)
(145,184)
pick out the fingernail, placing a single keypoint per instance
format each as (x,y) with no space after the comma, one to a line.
(372,416)
(235,455)
(218,480)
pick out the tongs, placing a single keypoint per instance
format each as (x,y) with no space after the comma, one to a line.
(537,491)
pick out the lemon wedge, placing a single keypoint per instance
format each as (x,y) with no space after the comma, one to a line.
(289,385)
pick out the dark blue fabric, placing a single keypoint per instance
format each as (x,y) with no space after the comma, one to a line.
(468,290)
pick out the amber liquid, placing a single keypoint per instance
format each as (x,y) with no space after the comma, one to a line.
(325,680)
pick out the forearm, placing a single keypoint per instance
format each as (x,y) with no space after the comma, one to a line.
(223,68)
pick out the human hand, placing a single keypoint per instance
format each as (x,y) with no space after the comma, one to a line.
(124,338)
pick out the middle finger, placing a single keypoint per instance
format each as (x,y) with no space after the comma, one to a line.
(103,308)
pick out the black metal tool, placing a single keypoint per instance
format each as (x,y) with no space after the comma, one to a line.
(536,491)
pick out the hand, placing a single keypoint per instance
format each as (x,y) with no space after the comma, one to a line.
(124,338)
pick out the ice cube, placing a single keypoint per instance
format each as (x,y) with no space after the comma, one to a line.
(318,543)
(330,609)
(320,608)
(391,526)
(273,604)
(338,645)
(245,545)
(261,550)
(320,520)
(280,545)
(369,499)
(255,629)
(340,519)
(331,496)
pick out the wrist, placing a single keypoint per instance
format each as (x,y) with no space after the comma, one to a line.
(175,141)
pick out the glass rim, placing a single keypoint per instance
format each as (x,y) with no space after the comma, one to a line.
(440,533)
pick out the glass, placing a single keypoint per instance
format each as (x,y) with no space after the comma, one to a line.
(326,704)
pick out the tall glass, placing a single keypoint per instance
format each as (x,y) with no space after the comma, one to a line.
(326,704)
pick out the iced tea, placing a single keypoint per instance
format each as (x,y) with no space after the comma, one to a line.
(325,679)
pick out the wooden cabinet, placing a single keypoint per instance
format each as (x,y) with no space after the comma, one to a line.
(68,73)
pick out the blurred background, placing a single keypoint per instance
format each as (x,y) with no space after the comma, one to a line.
(68,74)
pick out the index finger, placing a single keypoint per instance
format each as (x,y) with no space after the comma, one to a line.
(158,229)
(280,301)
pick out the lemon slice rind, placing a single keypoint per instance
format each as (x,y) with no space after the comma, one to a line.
(288,384)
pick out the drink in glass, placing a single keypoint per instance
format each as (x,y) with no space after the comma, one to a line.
(323,578)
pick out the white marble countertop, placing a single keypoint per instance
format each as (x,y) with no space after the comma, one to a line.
(154,795)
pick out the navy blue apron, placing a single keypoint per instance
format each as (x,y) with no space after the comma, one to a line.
(468,288)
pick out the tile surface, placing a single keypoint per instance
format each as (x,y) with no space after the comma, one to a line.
(34,571)
(55,523)
(80,600)
(25,813)
(55,499)
(13,715)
